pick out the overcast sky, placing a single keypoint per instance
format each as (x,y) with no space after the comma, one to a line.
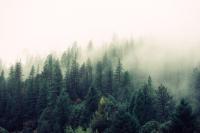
(38,26)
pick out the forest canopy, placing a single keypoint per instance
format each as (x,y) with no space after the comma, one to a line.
(99,90)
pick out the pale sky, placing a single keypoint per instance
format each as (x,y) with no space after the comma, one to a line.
(39,26)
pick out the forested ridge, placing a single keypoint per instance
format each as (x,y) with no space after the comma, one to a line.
(93,95)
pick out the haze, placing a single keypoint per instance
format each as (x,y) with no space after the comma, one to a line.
(39,26)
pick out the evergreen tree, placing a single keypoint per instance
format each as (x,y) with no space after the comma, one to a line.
(150,127)
(91,105)
(100,121)
(61,113)
(46,84)
(183,120)
(89,70)
(83,88)
(124,122)
(99,76)
(42,96)
(73,80)
(124,93)
(118,74)
(3,98)
(14,107)
(108,81)
(196,86)
(144,104)
(56,86)
(164,104)
(51,113)
(118,79)
(31,96)
(132,103)
(10,100)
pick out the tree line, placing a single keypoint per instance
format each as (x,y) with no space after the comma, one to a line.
(92,97)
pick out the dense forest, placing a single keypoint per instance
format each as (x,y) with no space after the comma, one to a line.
(97,93)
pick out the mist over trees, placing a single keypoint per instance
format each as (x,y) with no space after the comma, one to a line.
(98,90)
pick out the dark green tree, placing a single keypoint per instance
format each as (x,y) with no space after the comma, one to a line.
(100,121)
(183,120)
(150,127)
(56,86)
(14,106)
(31,96)
(91,105)
(164,104)
(61,113)
(124,122)
(118,79)
(72,80)
(99,76)
(108,81)
(145,104)
(3,99)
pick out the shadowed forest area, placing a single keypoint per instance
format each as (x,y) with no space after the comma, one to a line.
(100,90)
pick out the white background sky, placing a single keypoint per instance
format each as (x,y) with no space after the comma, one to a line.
(37,26)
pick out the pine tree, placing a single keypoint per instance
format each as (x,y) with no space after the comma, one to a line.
(91,105)
(183,120)
(196,87)
(61,113)
(100,121)
(10,100)
(118,79)
(31,96)
(125,87)
(99,76)
(124,122)
(118,74)
(108,81)
(42,96)
(164,104)
(3,94)
(46,84)
(3,98)
(56,86)
(73,80)
(89,70)
(15,105)
(83,82)
(85,76)
(145,104)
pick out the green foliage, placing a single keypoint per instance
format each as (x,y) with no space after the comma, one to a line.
(99,76)
(145,104)
(2,130)
(124,122)
(91,105)
(47,102)
(164,104)
(100,121)
(183,120)
(150,127)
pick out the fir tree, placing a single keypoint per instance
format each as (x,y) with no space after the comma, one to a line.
(183,120)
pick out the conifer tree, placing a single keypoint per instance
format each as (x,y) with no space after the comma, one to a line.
(3,98)
(118,79)
(31,96)
(145,104)
(56,86)
(164,104)
(124,122)
(183,120)
(99,76)
(73,80)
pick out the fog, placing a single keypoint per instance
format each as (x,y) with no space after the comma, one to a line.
(165,34)
(37,27)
